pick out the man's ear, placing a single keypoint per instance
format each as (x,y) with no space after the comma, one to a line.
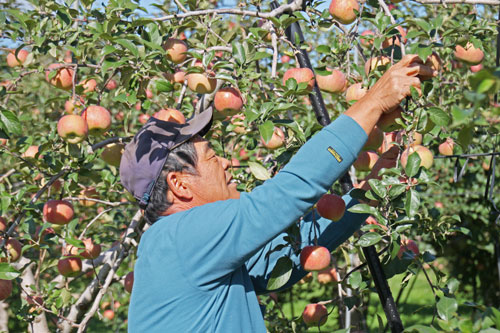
(178,184)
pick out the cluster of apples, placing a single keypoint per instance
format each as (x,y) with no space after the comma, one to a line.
(12,250)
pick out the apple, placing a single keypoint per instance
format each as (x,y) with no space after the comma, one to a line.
(438,204)
(149,94)
(70,266)
(365,161)
(469,54)
(3,224)
(315,314)
(228,101)
(476,68)
(446,148)
(14,60)
(235,162)
(71,104)
(375,139)
(111,85)
(285,58)
(58,212)
(355,92)
(92,250)
(98,119)
(371,220)
(89,192)
(331,206)
(14,248)
(120,116)
(112,154)
(129,281)
(277,139)
(425,156)
(143,118)
(108,314)
(376,62)
(367,38)
(237,121)
(387,122)
(314,258)
(201,82)
(408,245)
(3,142)
(343,10)
(68,57)
(63,78)
(72,128)
(395,39)
(300,75)
(434,62)
(243,154)
(333,83)
(30,152)
(5,289)
(387,143)
(171,115)
(327,275)
(175,50)
(307,278)
(178,77)
(88,85)
(46,232)
(417,138)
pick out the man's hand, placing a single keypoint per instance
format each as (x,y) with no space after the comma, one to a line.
(395,84)
(386,161)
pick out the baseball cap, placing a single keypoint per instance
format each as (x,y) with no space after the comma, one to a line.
(144,156)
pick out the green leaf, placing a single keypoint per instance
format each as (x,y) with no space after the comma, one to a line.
(397,190)
(9,122)
(323,49)
(355,279)
(413,164)
(266,130)
(129,46)
(453,285)
(258,171)
(439,117)
(412,202)
(424,51)
(7,272)
(164,86)
(291,84)
(260,55)
(421,329)
(447,307)
(363,209)
(465,136)
(281,273)
(239,53)
(369,239)
(377,187)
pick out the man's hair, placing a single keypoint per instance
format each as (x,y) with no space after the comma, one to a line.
(181,159)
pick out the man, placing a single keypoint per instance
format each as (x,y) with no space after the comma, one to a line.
(202,262)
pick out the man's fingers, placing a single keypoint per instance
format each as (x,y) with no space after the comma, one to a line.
(420,70)
(410,59)
(415,82)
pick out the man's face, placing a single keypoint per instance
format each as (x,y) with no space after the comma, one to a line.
(213,182)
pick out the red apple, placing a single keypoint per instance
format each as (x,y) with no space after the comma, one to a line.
(89,192)
(314,258)
(149,94)
(177,77)
(14,60)
(171,115)
(343,10)
(30,152)
(331,206)
(395,39)
(469,54)
(446,148)
(408,245)
(476,68)
(365,161)
(58,212)
(387,122)
(434,62)
(237,121)
(375,139)
(277,140)
(92,250)
(13,247)
(98,119)
(300,75)
(285,58)
(176,50)
(63,78)
(111,85)
(129,281)
(108,314)
(333,83)
(367,38)
(243,154)
(72,128)
(376,62)
(5,289)
(355,92)
(143,118)
(201,83)
(327,275)
(88,85)
(70,266)
(315,315)
(3,224)
(425,156)
(71,104)
(112,154)
(387,144)
(228,101)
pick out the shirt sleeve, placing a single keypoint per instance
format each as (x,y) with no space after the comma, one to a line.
(217,238)
(330,234)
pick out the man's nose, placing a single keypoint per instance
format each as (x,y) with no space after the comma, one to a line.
(225,163)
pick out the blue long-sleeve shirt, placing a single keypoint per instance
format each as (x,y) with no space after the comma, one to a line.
(199,270)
